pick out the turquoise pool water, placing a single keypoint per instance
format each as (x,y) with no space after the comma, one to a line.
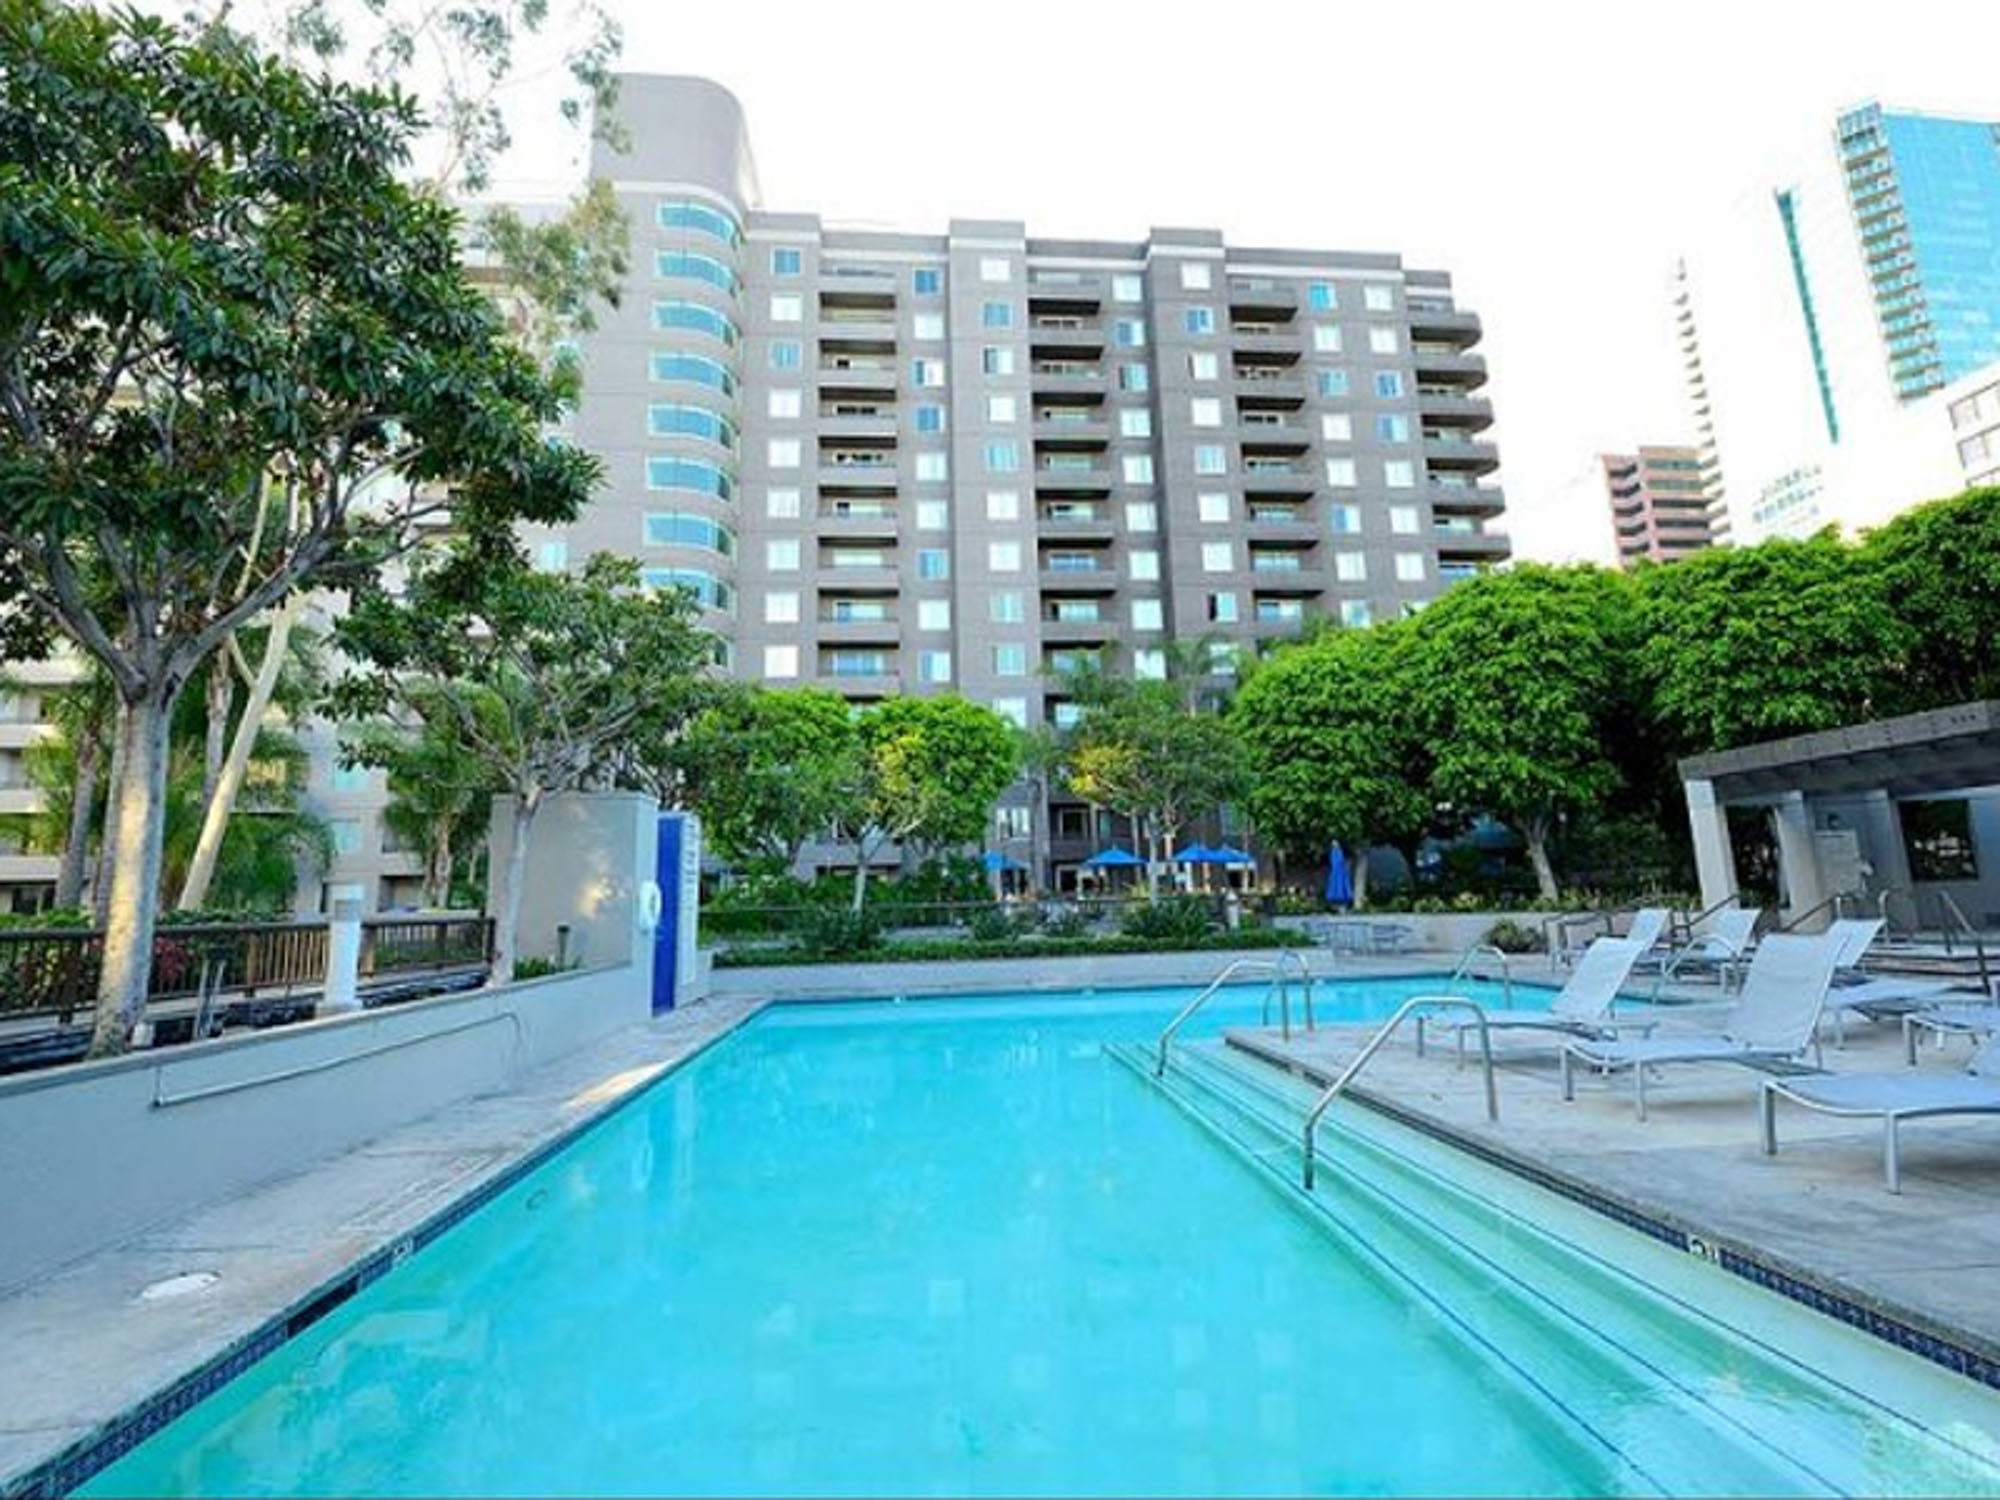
(952,1247)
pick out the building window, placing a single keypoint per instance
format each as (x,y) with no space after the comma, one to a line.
(1217,557)
(1213,506)
(1003,505)
(930,418)
(995,268)
(1403,520)
(785,403)
(1003,557)
(933,564)
(1409,567)
(1355,613)
(928,326)
(1211,458)
(1350,567)
(1015,712)
(1148,614)
(781,505)
(1195,276)
(787,354)
(1326,338)
(350,778)
(1003,457)
(1137,468)
(1321,296)
(1127,289)
(933,515)
(1135,422)
(933,614)
(781,555)
(694,315)
(1378,297)
(1389,384)
(1344,520)
(1128,333)
(927,372)
(1142,515)
(932,467)
(1937,836)
(687,265)
(1331,382)
(1340,472)
(1205,411)
(1336,427)
(927,281)
(1223,609)
(1383,341)
(996,315)
(1010,660)
(666,419)
(782,453)
(346,835)
(1149,664)
(1392,427)
(996,359)
(689,474)
(1399,473)
(781,662)
(685,213)
(1199,320)
(1134,378)
(786,260)
(781,608)
(787,307)
(1146,567)
(552,556)
(1006,608)
(1203,364)
(695,369)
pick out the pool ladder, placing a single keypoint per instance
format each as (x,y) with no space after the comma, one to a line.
(1280,985)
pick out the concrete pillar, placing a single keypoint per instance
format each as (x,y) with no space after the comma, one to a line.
(1798,856)
(343,958)
(1714,859)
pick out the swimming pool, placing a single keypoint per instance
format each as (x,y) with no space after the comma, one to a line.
(956,1247)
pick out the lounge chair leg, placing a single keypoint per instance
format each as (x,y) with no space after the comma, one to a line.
(1420,1033)
(1891,1165)
(1767,1118)
(1639,1088)
(1569,1078)
(1909,1041)
(1461,1049)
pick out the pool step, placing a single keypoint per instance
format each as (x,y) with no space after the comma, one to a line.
(1567,1323)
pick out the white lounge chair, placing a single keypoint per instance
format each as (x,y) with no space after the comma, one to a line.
(1724,947)
(1647,927)
(1894,1097)
(1943,1018)
(1581,1008)
(1852,937)
(1772,1021)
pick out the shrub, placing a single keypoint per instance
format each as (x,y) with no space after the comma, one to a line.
(934,950)
(1175,919)
(540,968)
(1513,937)
(991,924)
(832,932)
(1064,922)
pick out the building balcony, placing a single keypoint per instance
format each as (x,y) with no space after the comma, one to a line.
(876,326)
(1079,632)
(1473,500)
(1263,297)
(1060,292)
(1468,456)
(1292,481)
(20,799)
(870,524)
(838,376)
(1065,341)
(1438,322)
(1258,433)
(1282,526)
(28,869)
(862,687)
(1065,377)
(1073,479)
(1448,366)
(838,577)
(835,631)
(1307,583)
(856,286)
(1084,432)
(872,480)
(1268,388)
(1283,346)
(1474,413)
(880,424)
(20,734)
(1070,579)
(1084,524)
(1455,545)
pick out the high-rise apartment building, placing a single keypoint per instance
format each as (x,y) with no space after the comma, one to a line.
(1819,316)
(1659,508)
(917,463)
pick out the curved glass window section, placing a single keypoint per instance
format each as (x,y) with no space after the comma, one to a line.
(706,587)
(703,218)
(669,473)
(666,419)
(695,368)
(674,528)
(697,267)
(697,317)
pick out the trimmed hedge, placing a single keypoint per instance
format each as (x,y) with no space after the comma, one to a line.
(947,950)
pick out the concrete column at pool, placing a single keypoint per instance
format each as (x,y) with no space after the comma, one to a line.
(1714,860)
(1798,855)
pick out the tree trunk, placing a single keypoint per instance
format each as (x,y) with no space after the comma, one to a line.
(506,898)
(1536,832)
(229,782)
(132,846)
(1358,876)
(220,688)
(437,865)
(82,807)
(861,852)
(100,885)
(1152,862)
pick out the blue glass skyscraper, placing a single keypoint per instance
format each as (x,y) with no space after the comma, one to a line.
(1925,192)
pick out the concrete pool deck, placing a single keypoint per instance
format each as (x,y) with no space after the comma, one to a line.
(1817,1212)
(86,1353)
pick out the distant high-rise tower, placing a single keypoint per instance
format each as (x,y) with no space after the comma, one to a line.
(1820,312)
(1658,512)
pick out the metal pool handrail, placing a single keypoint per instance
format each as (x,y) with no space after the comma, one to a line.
(1339,1085)
(1273,966)
(1487,950)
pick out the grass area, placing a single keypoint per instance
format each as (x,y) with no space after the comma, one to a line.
(947,950)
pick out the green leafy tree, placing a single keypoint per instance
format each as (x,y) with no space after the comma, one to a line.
(770,772)
(1509,679)
(238,359)
(928,773)
(1142,751)
(439,797)
(539,678)
(1334,751)
(1939,566)
(1741,644)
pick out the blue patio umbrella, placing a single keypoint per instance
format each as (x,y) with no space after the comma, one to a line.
(993,859)
(1339,883)
(1112,859)
(1195,854)
(1229,854)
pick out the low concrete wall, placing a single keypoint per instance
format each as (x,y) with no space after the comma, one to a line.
(96,1153)
(1434,932)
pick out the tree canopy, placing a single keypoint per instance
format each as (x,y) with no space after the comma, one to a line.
(770,771)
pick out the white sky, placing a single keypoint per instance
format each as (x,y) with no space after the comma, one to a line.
(1543,154)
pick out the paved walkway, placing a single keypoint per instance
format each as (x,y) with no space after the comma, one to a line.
(83,1347)
(1818,1210)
